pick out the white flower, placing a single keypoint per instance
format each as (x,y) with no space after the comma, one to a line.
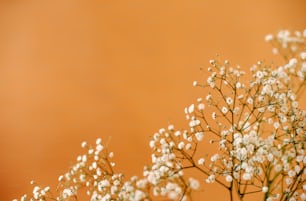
(177,133)
(250,101)
(191,108)
(170,127)
(94,165)
(292,62)
(259,74)
(99,148)
(90,151)
(278,168)
(238,85)
(194,123)
(201,106)
(201,161)
(111,154)
(208,97)
(98,141)
(84,144)
(276,125)
(265,189)
(214,158)
(295,104)
(291,173)
(228,178)
(23,198)
(104,183)
(36,191)
(152,144)
(199,136)
(60,178)
(212,61)
(246,176)
(193,183)
(139,195)
(214,115)
(172,195)
(229,100)
(67,193)
(288,181)
(211,179)
(224,110)
(181,145)
(141,183)
(269,37)
(188,146)
(303,55)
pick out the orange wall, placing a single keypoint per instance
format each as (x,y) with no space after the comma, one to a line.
(76,70)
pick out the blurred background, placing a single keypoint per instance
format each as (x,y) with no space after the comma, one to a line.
(76,70)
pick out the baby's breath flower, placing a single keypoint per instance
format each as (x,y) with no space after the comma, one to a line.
(199,136)
(191,108)
(201,161)
(60,178)
(246,176)
(210,179)
(181,145)
(269,37)
(224,110)
(238,85)
(258,131)
(229,100)
(214,115)
(98,141)
(265,189)
(228,178)
(201,106)
(193,183)
(84,144)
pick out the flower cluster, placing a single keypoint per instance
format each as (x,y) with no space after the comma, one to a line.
(253,122)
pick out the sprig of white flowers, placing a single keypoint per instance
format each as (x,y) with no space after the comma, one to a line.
(255,124)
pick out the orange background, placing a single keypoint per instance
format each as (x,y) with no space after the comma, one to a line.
(76,70)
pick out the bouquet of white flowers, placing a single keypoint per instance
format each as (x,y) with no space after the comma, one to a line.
(252,122)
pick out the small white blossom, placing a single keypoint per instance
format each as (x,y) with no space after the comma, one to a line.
(228,178)
(246,176)
(194,184)
(181,145)
(199,136)
(229,100)
(210,179)
(84,144)
(238,85)
(303,55)
(265,189)
(191,108)
(98,141)
(201,161)
(201,106)
(269,37)
(214,115)
(224,110)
